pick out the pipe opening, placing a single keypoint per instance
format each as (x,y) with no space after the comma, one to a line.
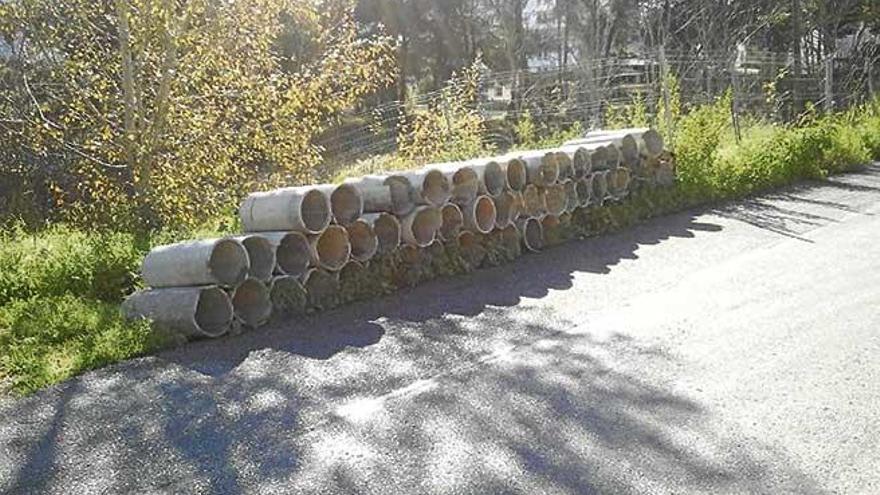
(401,191)
(510,239)
(424,225)
(565,165)
(600,187)
(517,177)
(229,262)
(653,142)
(364,242)
(292,255)
(452,221)
(532,234)
(571,195)
(629,149)
(612,156)
(251,303)
(494,178)
(584,191)
(213,312)
(484,214)
(555,199)
(599,158)
(346,203)
(471,249)
(548,171)
(288,296)
(387,230)
(333,247)
(465,184)
(261,255)
(506,209)
(435,188)
(533,201)
(314,211)
(581,162)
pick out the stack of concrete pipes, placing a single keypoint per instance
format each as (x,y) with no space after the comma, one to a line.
(298,240)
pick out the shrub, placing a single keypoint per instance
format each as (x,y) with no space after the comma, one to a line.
(44,340)
(696,143)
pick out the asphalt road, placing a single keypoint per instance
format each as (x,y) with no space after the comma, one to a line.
(735,350)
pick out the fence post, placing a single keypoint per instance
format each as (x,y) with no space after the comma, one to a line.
(664,85)
(829,83)
(734,116)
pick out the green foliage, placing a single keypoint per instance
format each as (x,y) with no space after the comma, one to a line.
(699,135)
(669,112)
(48,339)
(634,114)
(530,135)
(62,260)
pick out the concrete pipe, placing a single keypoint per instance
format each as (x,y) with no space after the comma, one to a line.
(385,193)
(322,288)
(598,159)
(492,177)
(600,187)
(585,191)
(571,195)
(364,241)
(649,142)
(221,262)
(204,311)
(387,229)
(431,187)
(534,202)
(288,296)
(581,162)
(516,174)
(463,180)
(618,183)
(613,157)
(565,164)
(420,227)
(304,209)
(507,208)
(251,303)
(532,233)
(542,168)
(330,249)
(353,282)
(511,242)
(555,199)
(452,221)
(261,255)
(346,202)
(471,249)
(292,252)
(480,215)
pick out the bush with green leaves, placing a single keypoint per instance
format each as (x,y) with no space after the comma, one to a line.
(48,339)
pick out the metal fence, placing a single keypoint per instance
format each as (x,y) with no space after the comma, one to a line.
(766,85)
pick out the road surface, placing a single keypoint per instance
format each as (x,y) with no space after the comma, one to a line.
(732,350)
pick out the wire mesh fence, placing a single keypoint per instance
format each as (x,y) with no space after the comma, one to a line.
(768,85)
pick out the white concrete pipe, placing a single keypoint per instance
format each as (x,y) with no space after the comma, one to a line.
(618,183)
(463,180)
(261,255)
(585,191)
(571,195)
(613,156)
(430,185)
(346,202)
(292,252)
(204,311)
(598,159)
(531,232)
(221,262)
(581,162)
(251,303)
(288,295)
(541,167)
(534,202)
(565,164)
(480,215)
(420,227)
(452,221)
(555,199)
(511,240)
(364,241)
(649,142)
(303,209)
(507,208)
(492,177)
(600,187)
(385,193)
(330,249)
(387,229)
(322,288)
(516,174)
